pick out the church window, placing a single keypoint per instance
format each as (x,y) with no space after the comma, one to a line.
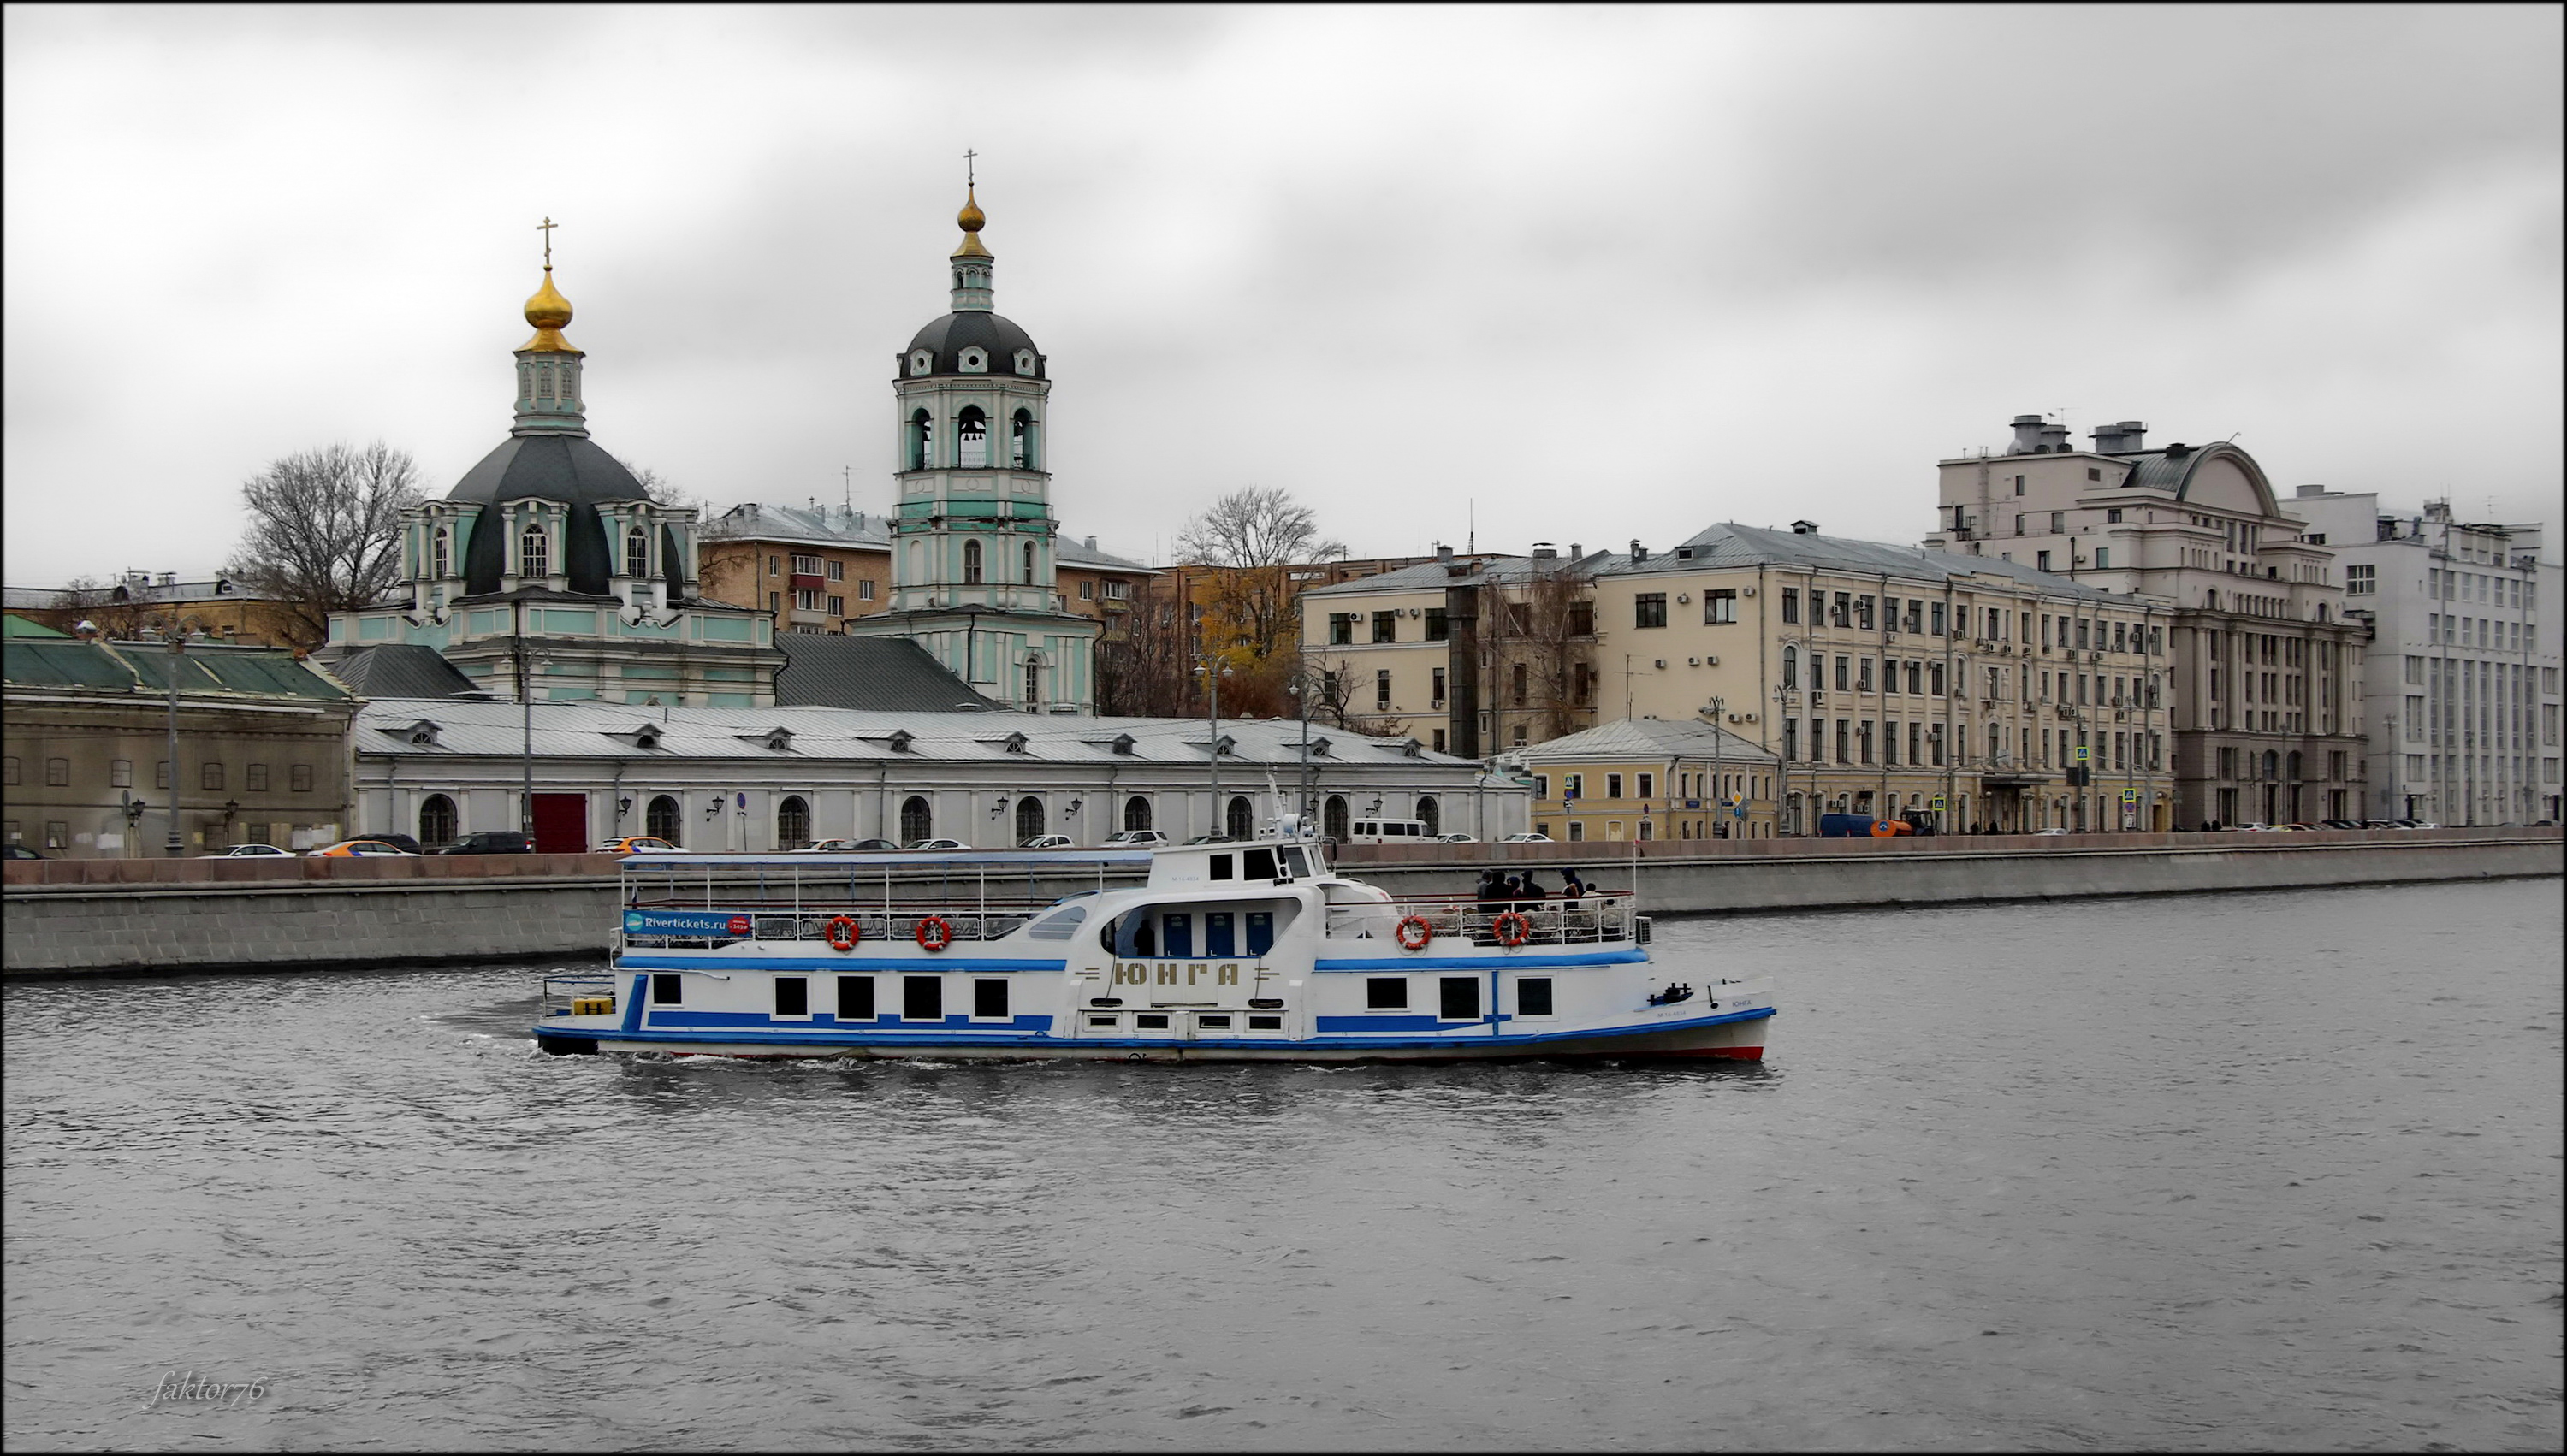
(543,380)
(917,821)
(920,431)
(972,430)
(971,562)
(532,552)
(1030,563)
(438,553)
(637,552)
(921,362)
(1025,361)
(975,362)
(1033,683)
(1023,454)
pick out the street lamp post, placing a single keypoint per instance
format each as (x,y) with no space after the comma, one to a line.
(176,847)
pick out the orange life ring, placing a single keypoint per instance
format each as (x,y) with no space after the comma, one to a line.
(1425,932)
(1512,929)
(935,932)
(853,932)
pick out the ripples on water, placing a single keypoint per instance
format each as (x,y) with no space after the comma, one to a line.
(2256,1170)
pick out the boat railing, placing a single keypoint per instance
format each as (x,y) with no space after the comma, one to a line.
(681,922)
(1570,920)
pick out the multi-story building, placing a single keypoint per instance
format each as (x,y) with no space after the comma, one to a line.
(1888,680)
(262,744)
(548,568)
(816,567)
(216,607)
(2461,693)
(1652,778)
(2266,701)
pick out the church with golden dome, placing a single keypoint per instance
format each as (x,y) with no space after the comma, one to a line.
(549,565)
(975,568)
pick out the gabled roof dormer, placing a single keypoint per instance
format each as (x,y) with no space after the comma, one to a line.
(774,740)
(1119,743)
(897,740)
(644,736)
(1404,747)
(419,734)
(1011,743)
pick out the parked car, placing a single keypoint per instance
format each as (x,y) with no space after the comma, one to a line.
(1048,841)
(1526,839)
(2044,833)
(1457,838)
(847,846)
(1138,836)
(637,845)
(2339,824)
(251,851)
(401,842)
(19,851)
(936,844)
(491,841)
(356,848)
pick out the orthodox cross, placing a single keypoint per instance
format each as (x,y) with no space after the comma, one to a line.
(969,176)
(546,228)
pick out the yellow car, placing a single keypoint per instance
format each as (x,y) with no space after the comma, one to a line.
(349,848)
(637,845)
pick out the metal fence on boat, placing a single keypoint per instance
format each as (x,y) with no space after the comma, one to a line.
(699,904)
(1578,920)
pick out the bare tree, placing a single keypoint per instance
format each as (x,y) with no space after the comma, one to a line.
(325,531)
(661,490)
(1250,540)
(1147,669)
(1543,640)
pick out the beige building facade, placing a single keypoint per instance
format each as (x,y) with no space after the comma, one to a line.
(1639,780)
(1886,679)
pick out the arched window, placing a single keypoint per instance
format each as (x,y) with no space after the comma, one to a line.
(437,819)
(2272,766)
(1790,667)
(2294,774)
(1430,815)
(972,430)
(1033,683)
(792,822)
(533,551)
(1030,564)
(1136,812)
(971,561)
(439,551)
(661,820)
(1241,821)
(920,432)
(1022,452)
(916,821)
(1332,817)
(1030,819)
(637,552)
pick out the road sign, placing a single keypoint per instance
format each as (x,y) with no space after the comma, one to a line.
(2130,795)
(2081,754)
(1938,803)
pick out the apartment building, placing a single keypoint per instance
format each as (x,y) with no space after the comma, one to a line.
(2266,670)
(1652,778)
(821,566)
(2462,692)
(1886,679)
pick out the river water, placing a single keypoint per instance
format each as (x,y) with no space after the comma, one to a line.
(2273,1170)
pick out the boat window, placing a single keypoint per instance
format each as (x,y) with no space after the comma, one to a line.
(1148,1021)
(922,998)
(1222,1022)
(1260,931)
(667,991)
(1176,934)
(1532,997)
(1296,863)
(1257,864)
(1130,936)
(989,999)
(1217,937)
(793,996)
(1459,999)
(1266,1023)
(1386,993)
(1106,1020)
(1221,867)
(855,997)
(1059,925)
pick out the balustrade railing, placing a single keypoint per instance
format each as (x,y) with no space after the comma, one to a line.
(1579,920)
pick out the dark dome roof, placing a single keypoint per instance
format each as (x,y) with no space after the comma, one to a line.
(952,334)
(563,467)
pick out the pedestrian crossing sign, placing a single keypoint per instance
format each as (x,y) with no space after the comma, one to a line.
(1938,803)
(2130,795)
(2082,753)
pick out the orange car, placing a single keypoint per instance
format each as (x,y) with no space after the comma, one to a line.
(349,848)
(637,845)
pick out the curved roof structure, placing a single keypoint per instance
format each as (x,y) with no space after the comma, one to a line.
(997,336)
(564,467)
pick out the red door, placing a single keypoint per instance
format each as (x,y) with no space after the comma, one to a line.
(561,823)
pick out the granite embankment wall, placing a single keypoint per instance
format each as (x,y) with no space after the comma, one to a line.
(75,917)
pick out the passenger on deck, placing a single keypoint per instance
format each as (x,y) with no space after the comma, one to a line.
(1570,886)
(1530,893)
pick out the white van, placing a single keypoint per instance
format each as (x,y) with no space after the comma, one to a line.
(1387,831)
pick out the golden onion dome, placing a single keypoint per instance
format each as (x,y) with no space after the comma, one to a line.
(972,219)
(550,312)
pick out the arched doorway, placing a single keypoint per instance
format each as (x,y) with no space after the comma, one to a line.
(1430,813)
(1030,819)
(660,819)
(1241,821)
(1332,817)
(917,821)
(436,820)
(1136,812)
(792,822)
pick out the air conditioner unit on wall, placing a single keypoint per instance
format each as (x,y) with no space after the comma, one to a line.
(1747,591)
(1711,662)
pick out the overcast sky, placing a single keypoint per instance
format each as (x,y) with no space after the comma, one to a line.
(1574,275)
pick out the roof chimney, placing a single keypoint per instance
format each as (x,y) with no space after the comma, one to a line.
(1443,553)
(1545,551)
(169,578)
(2118,438)
(1576,551)
(1091,543)
(2027,435)
(2054,439)
(2308,490)
(1639,553)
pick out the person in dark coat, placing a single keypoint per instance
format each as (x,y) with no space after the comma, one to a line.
(1570,886)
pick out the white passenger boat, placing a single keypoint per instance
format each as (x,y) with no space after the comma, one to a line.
(1245,951)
